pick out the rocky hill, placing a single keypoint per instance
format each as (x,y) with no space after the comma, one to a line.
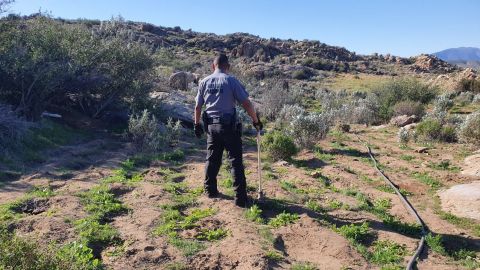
(263,58)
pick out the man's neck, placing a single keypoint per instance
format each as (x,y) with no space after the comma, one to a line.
(219,70)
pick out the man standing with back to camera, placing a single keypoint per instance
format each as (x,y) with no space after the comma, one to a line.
(219,92)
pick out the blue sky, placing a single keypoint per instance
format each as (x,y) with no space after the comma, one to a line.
(402,27)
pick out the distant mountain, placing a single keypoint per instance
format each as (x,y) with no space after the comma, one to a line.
(463,56)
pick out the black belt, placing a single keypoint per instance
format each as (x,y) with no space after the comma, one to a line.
(219,120)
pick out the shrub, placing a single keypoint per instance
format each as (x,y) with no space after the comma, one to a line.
(476,98)
(12,128)
(409,108)
(470,129)
(308,129)
(173,131)
(470,85)
(278,145)
(144,130)
(301,74)
(273,100)
(405,89)
(289,112)
(433,129)
(464,98)
(366,110)
(403,136)
(69,65)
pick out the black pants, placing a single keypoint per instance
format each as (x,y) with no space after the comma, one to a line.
(220,137)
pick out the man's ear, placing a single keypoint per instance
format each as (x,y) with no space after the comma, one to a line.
(213,67)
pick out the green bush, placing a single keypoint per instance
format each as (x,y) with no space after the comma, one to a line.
(301,74)
(278,146)
(27,254)
(470,129)
(433,130)
(144,131)
(68,65)
(399,90)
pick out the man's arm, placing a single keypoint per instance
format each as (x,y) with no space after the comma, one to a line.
(248,106)
(198,112)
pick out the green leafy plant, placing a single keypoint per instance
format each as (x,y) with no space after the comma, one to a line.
(212,235)
(254,214)
(278,146)
(354,232)
(387,252)
(283,219)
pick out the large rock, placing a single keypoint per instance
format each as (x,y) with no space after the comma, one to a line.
(180,80)
(403,120)
(177,105)
(462,200)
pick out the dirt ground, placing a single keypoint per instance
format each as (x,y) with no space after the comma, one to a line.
(309,240)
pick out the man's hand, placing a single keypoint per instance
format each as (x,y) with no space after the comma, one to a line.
(258,125)
(198,130)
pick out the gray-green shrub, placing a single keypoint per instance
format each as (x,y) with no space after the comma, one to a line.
(308,129)
(470,129)
(145,132)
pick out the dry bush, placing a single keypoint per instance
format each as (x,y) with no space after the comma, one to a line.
(289,112)
(470,129)
(308,129)
(273,99)
(409,108)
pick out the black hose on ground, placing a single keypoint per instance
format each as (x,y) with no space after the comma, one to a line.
(407,206)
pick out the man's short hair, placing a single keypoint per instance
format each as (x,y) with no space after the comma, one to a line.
(221,60)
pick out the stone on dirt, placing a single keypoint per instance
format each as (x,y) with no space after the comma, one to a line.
(403,120)
(462,200)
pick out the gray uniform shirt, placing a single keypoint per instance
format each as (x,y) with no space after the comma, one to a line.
(218,92)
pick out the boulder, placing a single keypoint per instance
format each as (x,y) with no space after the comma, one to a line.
(181,80)
(462,200)
(178,105)
(403,120)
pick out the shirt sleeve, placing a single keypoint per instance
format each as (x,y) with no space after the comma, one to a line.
(239,91)
(199,101)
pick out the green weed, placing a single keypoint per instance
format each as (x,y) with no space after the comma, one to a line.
(314,206)
(254,214)
(283,219)
(354,232)
(101,203)
(187,247)
(273,256)
(425,178)
(92,232)
(444,165)
(435,243)
(212,235)
(407,157)
(303,266)
(387,252)
(335,204)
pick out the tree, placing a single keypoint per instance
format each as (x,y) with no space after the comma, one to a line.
(4,4)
